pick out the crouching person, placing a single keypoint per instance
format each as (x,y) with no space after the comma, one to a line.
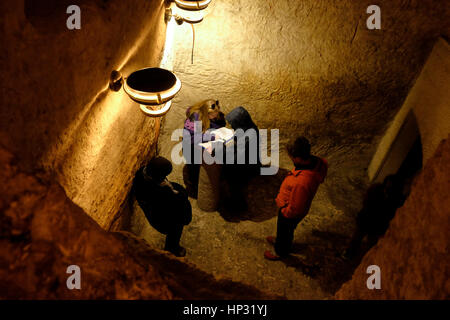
(165,203)
(296,194)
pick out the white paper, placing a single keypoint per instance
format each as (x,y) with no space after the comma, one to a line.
(222,134)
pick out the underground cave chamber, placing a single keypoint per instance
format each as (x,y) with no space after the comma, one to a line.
(372,102)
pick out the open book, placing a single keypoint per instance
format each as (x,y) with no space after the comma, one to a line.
(223,134)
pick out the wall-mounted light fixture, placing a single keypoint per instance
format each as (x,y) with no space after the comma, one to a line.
(152,88)
(190,11)
(191,17)
(192,4)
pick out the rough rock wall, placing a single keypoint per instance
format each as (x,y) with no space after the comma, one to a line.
(308,67)
(414,254)
(429,100)
(42,232)
(55,103)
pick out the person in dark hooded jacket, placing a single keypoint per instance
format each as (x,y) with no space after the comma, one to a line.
(244,127)
(244,152)
(165,204)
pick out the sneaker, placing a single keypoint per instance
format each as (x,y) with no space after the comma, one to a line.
(271,240)
(270,256)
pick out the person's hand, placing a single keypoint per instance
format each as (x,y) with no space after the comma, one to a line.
(168,184)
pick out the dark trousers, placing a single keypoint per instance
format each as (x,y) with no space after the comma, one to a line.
(285,234)
(173,237)
(191,170)
(191,174)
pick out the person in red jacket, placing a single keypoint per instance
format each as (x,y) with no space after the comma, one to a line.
(296,194)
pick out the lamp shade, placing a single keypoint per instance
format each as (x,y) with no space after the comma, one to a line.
(190,16)
(152,86)
(192,4)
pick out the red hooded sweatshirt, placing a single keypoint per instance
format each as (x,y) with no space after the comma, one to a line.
(299,188)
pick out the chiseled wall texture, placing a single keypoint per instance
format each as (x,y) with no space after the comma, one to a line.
(55,103)
(308,67)
(413,254)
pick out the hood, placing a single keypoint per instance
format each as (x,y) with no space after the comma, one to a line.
(239,118)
